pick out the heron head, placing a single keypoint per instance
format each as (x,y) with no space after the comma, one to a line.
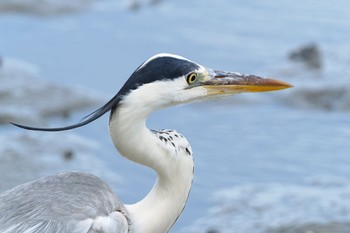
(167,79)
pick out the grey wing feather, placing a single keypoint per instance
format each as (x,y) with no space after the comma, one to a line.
(72,202)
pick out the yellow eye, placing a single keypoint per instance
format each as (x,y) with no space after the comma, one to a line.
(191,78)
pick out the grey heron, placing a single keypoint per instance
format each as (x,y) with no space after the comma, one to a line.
(80,202)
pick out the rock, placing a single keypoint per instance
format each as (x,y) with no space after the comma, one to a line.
(27,99)
(309,54)
(44,7)
(332,227)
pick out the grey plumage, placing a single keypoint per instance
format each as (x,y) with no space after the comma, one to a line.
(58,203)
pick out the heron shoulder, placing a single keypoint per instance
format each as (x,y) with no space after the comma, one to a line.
(69,201)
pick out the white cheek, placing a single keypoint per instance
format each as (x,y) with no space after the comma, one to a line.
(189,95)
(162,94)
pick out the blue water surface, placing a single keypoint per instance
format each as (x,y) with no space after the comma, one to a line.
(234,143)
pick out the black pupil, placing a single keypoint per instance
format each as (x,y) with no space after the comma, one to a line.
(192,77)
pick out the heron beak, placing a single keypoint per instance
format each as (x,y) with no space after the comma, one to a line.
(222,83)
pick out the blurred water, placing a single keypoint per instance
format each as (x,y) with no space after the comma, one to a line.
(234,143)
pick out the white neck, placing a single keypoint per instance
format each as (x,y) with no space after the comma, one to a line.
(159,210)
